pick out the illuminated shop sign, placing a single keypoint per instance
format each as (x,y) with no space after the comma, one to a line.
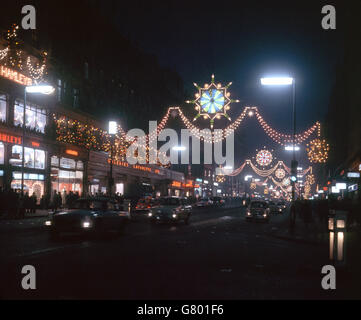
(15,76)
(134,166)
(72,152)
(9,138)
(178,184)
(35,144)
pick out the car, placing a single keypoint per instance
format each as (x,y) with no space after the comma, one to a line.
(204,202)
(171,209)
(274,207)
(258,210)
(96,215)
(218,201)
(281,206)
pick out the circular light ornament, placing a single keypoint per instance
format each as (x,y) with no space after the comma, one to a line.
(220,178)
(280,173)
(212,101)
(264,158)
(253,186)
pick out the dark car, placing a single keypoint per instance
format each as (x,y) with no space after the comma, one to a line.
(89,215)
(218,201)
(171,209)
(258,210)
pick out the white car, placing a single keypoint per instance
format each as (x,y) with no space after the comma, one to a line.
(205,202)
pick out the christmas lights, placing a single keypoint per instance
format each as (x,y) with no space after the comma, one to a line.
(317,151)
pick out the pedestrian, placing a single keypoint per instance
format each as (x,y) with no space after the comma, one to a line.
(33,202)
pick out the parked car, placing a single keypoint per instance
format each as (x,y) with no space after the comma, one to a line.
(171,209)
(218,201)
(281,205)
(204,202)
(89,215)
(258,210)
(274,207)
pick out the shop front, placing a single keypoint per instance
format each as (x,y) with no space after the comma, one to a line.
(67,172)
(11,161)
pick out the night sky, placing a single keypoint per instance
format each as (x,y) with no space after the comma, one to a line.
(241,42)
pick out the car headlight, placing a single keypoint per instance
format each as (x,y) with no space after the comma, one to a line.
(280,210)
(265,215)
(86,225)
(150,214)
(248,213)
(48,223)
(174,216)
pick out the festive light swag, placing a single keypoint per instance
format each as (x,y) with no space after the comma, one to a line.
(14,58)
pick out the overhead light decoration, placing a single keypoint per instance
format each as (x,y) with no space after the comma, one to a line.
(317,151)
(310,179)
(264,158)
(286,182)
(280,173)
(212,101)
(220,178)
(253,186)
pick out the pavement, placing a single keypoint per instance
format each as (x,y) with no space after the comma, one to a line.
(218,256)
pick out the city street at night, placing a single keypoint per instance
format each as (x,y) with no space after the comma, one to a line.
(179,157)
(218,256)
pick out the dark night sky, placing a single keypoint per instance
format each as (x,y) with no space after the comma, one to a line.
(240,42)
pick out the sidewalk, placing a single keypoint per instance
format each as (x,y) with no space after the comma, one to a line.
(315,232)
(39,214)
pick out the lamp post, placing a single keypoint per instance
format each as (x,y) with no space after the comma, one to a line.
(43,89)
(112,131)
(284,81)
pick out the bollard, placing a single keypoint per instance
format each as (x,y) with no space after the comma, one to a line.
(337,234)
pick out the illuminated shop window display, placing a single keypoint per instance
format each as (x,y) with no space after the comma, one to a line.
(2,153)
(33,183)
(35,117)
(3,101)
(34,158)
(66,175)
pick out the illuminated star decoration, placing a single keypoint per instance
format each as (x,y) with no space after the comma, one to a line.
(264,158)
(280,173)
(212,101)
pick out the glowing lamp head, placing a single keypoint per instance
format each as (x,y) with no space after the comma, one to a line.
(112,127)
(43,89)
(277,81)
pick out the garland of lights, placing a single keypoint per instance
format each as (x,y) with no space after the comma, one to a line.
(16,58)
(317,151)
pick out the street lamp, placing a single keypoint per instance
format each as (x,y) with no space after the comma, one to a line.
(42,89)
(112,130)
(286,81)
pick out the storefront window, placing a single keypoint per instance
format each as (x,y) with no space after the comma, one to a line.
(3,107)
(2,153)
(55,161)
(67,163)
(29,158)
(34,158)
(16,156)
(35,117)
(33,183)
(39,159)
(69,177)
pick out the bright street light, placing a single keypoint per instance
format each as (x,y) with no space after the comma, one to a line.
(276,81)
(179,148)
(43,89)
(112,127)
(290,148)
(247,177)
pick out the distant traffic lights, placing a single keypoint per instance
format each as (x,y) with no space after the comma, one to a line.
(294,166)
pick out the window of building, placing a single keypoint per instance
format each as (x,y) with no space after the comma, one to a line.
(35,117)
(3,103)
(54,161)
(67,163)
(33,183)
(86,70)
(33,158)
(2,153)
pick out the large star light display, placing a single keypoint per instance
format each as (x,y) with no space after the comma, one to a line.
(212,101)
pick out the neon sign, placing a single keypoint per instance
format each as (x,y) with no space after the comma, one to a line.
(15,76)
(72,152)
(9,138)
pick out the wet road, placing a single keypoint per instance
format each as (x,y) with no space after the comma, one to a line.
(218,256)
